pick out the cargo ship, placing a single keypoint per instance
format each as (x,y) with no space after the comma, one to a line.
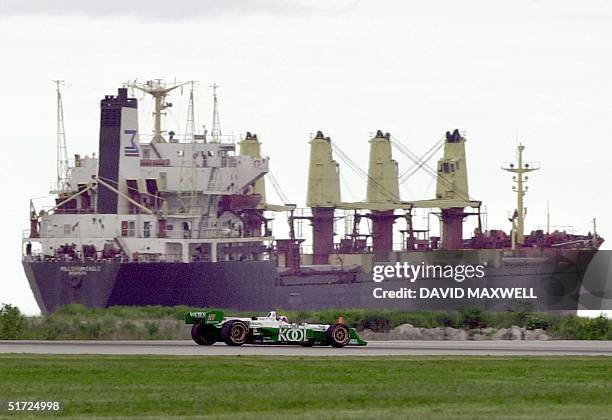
(184,220)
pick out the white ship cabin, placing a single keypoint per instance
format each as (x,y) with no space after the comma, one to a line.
(157,201)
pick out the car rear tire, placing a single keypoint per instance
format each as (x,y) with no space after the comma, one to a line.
(338,335)
(234,333)
(204,335)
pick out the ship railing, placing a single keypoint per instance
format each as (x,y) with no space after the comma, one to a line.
(179,234)
(579,242)
(211,188)
(154,162)
(216,233)
(171,258)
(218,188)
(226,162)
(557,228)
(55,188)
(220,138)
(33,257)
(45,210)
(88,210)
(39,257)
(143,258)
(308,249)
(145,139)
(229,162)
(209,233)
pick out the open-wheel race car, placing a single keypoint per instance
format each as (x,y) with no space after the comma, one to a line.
(211,326)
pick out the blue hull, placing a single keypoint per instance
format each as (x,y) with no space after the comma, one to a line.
(260,286)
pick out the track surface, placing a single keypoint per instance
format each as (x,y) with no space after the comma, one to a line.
(374,348)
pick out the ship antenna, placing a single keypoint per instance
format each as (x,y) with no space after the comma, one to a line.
(519,169)
(63,184)
(216,125)
(188,195)
(158,90)
(547,217)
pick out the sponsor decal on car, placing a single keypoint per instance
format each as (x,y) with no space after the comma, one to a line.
(289,333)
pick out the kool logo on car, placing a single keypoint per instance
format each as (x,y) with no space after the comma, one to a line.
(291,334)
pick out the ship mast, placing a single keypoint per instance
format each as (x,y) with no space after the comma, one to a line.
(216,125)
(188,195)
(62,184)
(158,90)
(519,169)
(547,217)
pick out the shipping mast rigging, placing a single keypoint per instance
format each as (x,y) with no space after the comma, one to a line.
(63,168)
(518,219)
(216,125)
(188,195)
(158,90)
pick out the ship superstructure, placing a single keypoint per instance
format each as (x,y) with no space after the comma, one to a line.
(128,203)
(183,220)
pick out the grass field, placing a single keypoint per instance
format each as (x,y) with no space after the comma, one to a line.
(265,387)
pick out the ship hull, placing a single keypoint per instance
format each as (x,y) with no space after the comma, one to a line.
(260,286)
(239,285)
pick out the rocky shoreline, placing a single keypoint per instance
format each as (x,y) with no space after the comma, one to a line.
(410,332)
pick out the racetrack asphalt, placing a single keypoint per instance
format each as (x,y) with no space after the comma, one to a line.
(374,348)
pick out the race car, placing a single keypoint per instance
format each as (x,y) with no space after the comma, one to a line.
(211,326)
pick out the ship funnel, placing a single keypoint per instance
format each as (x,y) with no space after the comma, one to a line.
(250,146)
(383,189)
(119,150)
(323,196)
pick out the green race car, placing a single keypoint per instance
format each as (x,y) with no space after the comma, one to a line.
(211,326)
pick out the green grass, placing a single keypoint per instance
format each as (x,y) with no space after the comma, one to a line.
(334,387)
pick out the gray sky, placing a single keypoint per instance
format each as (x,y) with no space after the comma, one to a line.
(163,11)
(538,71)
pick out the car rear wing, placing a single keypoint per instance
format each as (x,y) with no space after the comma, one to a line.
(208,317)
